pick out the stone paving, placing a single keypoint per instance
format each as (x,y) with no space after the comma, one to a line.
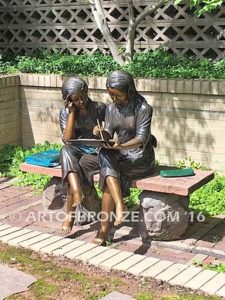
(13,281)
(25,222)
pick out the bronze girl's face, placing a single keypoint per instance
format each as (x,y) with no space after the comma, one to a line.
(79,99)
(119,97)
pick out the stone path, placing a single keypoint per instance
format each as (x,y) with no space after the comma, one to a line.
(117,296)
(13,281)
(25,222)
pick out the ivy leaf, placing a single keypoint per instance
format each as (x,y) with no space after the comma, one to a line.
(176,2)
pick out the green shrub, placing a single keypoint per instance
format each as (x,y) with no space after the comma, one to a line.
(210,199)
(79,65)
(10,159)
(161,64)
(218,267)
(189,162)
(157,63)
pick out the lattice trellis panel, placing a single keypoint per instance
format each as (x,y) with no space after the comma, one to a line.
(68,25)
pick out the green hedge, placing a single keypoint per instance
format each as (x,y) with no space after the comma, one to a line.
(10,159)
(157,63)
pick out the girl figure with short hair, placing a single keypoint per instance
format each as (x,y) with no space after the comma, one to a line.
(77,120)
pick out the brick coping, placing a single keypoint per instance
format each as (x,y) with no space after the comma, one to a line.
(183,275)
(157,85)
(182,186)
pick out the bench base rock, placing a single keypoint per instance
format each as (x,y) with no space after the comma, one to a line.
(54,194)
(162,216)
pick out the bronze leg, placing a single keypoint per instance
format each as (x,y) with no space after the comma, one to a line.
(74,182)
(115,191)
(74,197)
(108,207)
(69,219)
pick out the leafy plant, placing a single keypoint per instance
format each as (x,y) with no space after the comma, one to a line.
(144,296)
(218,267)
(202,6)
(130,201)
(189,162)
(210,198)
(11,157)
(133,200)
(80,65)
(155,63)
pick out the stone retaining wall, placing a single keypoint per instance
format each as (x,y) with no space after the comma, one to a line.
(189,115)
(10,112)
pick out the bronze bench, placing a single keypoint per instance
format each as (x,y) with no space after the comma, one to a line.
(164,202)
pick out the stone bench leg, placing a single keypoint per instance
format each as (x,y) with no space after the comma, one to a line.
(54,194)
(162,216)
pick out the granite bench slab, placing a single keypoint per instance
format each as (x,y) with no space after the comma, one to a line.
(182,186)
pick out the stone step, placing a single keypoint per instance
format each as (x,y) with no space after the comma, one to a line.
(114,260)
(17,240)
(34,240)
(215,284)
(13,235)
(200,279)
(67,248)
(185,276)
(157,268)
(171,272)
(56,246)
(43,243)
(96,261)
(79,250)
(143,265)
(91,253)
(129,262)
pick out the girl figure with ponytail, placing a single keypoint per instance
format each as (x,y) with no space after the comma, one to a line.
(132,155)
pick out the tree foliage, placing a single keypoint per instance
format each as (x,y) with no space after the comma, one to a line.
(201,6)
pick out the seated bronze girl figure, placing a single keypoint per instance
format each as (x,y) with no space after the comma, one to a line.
(132,156)
(79,163)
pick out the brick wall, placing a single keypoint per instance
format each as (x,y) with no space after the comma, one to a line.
(41,102)
(188,120)
(10,113)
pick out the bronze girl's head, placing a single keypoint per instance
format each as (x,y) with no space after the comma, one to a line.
(75,90)
(121,88)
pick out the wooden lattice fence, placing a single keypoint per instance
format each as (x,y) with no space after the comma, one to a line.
(68,25)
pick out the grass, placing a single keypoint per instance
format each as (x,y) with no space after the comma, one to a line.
(58,278)
(190,297)
(50,276)
(217,267)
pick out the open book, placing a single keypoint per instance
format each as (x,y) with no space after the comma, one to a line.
(90,142)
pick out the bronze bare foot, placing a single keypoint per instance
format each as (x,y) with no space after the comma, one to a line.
(100,238)
(67,224)
(120,210)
